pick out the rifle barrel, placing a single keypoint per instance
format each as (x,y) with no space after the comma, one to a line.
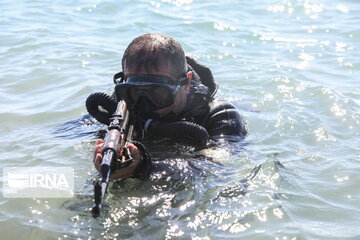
(115,137)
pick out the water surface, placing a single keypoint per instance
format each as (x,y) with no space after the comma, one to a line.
(292,68)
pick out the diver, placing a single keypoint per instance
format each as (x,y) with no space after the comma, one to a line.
(174,97)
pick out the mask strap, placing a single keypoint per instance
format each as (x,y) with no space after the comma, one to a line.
(119,77)
(183,81)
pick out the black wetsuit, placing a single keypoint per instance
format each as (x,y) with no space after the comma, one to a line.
(220,118)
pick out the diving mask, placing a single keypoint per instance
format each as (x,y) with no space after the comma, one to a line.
(156,91)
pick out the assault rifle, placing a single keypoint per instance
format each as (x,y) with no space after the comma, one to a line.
(119,133)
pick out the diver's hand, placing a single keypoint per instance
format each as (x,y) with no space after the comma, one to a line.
(123,172)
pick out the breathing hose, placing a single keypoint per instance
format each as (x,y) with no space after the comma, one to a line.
(189,132)
(101,106)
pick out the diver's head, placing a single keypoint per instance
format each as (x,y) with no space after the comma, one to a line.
(154,52)
(156,78)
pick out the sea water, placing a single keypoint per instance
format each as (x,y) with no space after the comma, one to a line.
(290,66)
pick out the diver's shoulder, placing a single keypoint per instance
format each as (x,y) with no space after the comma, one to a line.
(217,104)
(224,118)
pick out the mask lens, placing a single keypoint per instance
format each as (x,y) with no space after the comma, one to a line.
(159,95)
(134,94)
